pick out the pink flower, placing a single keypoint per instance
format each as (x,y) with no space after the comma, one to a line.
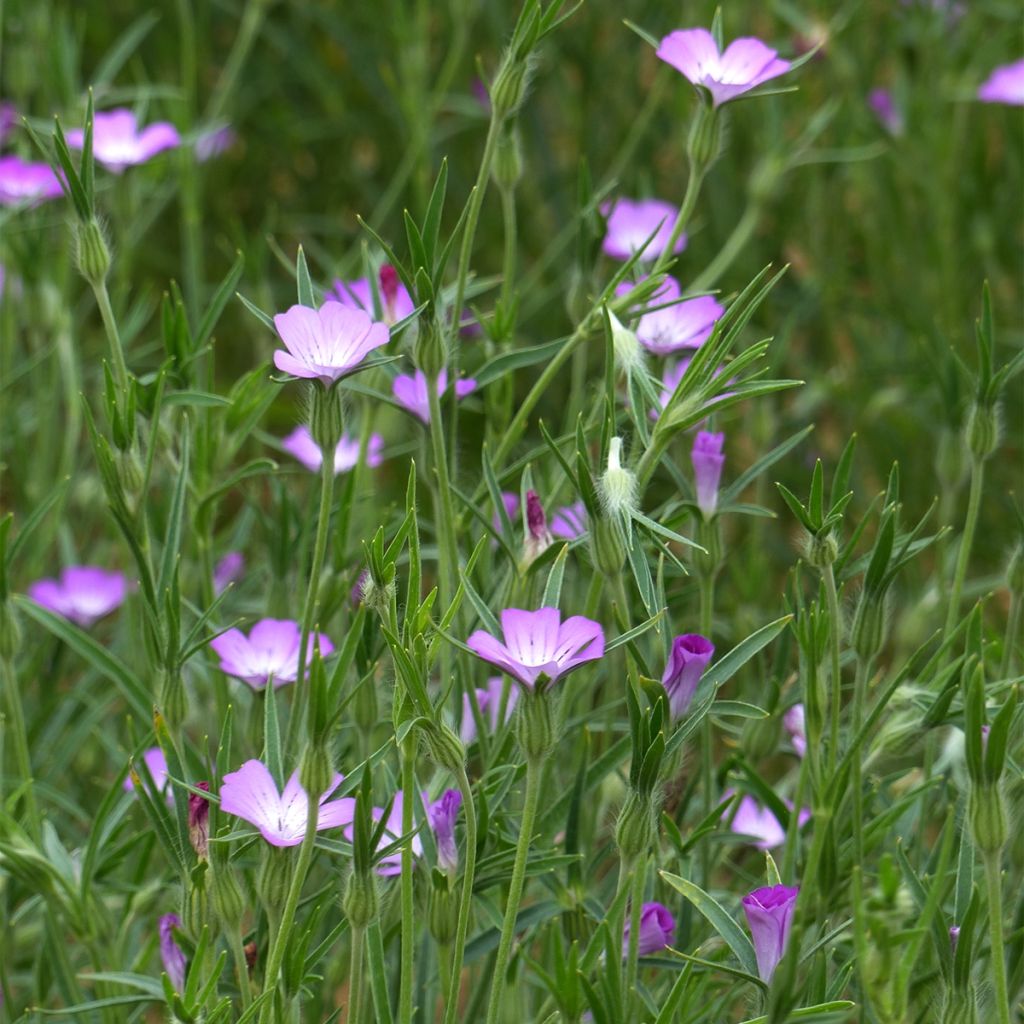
(117,142)
(745,64)
(759,822)
(270,651)
(1004,85)
(396,302)
(82,594)
(687,661)
(489,702)
(228,570)
(683,324)
(657,929)
(570,521)
(392,863)
(170,952)
(300,443)
(251,794)
(29,183)
(769,913)
(156,765)
(632,222)
(412,391)
(708,460)
(793,720)
(442,816)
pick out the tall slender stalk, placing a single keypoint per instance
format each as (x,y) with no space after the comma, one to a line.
(356,988)
(966,541)
(1013,632)
(465,903)
(994,889)
(113,335)
(636,899)
(835,674)
(408,910)
(22,757)
(693,185)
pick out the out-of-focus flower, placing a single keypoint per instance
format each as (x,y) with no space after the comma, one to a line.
(759,822)
(687,661)
(442,816)
(82,593)
(1004,85)
(171,955)
(684,324)
(395,300)
(214,142)
(228,570)
(199,821)
(745,64)
(391,864)
(770,916)
(570,521)
(670,379)
(156,765)
(511,502)
(489,702)
(708,460)
(270,651)
(657,929)
(300,443)
(954,937)
(251,794)
(8,119)
(411,392)
(328,343)
(632,222)
(883,105)
(539,646)
(24,182)
(117,142)
(793,720)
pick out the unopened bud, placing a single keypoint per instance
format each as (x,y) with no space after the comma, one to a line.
(509,87)
(92,252)
(982,431)
(636,828)
(607,546)
(618,485)
(538,537)
(274,876)
(315,771)
(988,817)
(629,353)
(389,284)
(705,141)
(197,899)
(428,352)
(445,748)
(360,901)
(443,919)
(227,896)
(199,821)
(822,551)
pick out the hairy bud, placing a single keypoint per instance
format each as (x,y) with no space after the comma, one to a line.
(988,817)
(360,902)
(636,827)
(92,253)
(618,484)
(982,431)
(535,723)
(326,422)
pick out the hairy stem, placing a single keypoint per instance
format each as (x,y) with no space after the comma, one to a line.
(835,675)
(22,757)
(994,889)
(113,335)
(356,988)
(408,910)
(966,541)
(465,904)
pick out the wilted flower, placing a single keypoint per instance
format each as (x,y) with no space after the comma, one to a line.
(884,108)
(170,953)
(745,64)
(395,300)
(24,182)
(759,822)
(328,343)
(687,661)
(708,460)
(1004,85)
(300,443)
(199,820)
(684,324)
(411,392)
(228,570)
(270,651)
(156,765)
(538,645)
(489,702)
(770,916)
(657,929)
(570,521)
(793,720)
(442,816)
(214,142)
(632,222)
(117,142)
(251,794)
(82,594)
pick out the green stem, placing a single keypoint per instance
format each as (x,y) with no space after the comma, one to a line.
(408,910)
(682,219)
(445,513)
(508,269)
(113,335)
(994,887)
(1013,631)
(515,892)
(966,541)
(356,988)
(241,966)
(835,677)
(636,898)
(465,904)
(22,757)
(733,246)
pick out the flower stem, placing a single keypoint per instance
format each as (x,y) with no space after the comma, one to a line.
(693,184)
(515,892)
(22,757)
(356,988)
(993,884)
(508,269)
(113,335)
(465,904)
(707,604)
(1013,631)
(966,541)
(636,898)
(241,966)
(408,910)
(445,513)
(835,698)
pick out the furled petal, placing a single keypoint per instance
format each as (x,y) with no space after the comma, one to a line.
(657,930)
(171,956)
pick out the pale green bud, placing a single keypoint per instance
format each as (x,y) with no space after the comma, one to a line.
(92,252)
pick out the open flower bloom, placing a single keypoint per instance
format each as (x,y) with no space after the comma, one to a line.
(228,570)
(442,816)
(631,223)
(793,720)
(1004,85)
(657,929)
(82,594)
(117,142)
(24,182)
(751,819)
(270,651)
(684,324)
(156,765)
(687,661)
(745,64)
(411,392)
(569,522)
(770,916)
(708,460)
(251,794)
(395,300)
(171,955)
(328,343)
(489,702)
(300,443)
(538,646)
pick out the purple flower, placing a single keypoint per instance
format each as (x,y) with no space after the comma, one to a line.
(300,443)
(23,182)
(670,379)
(199,820)
(214,142)
(770,915)
(707,459)
(793,720)
(156,765)
(570,521)
(170,953)
(954,937)
(489,702)
(442,816)
(411,392)
(391,864)
(511,502)
(884,108)
(251,794)
(631,223)
(8,119)
(539,647)
(228,570)
(82,594)
(117,142)
(687,661)
(395,300)
(745,64)
(759,822)
(1004,85)
(657,929)
(684,324)
(270,651)
(328,343)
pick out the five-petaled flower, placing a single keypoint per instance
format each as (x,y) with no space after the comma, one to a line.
(770,916)
(657,929)
(82,594)
(300,443)
(632,222)
(270,651)
(117,142)
(674,323)
(411,392)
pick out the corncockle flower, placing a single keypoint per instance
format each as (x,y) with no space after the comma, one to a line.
(759,822)
(117,142)
(170,952)
(511,502)
(657,929)
(251,794)
(24,182)
(1004,85)
(570,521)
(411,392)
(328,343)
(395,300)
(199,821)
(745,64)
(793,720)
(156,765)
(82,594)
(883,106)
(538,536)
(228,570)
(489,702)
(214,142)
(300,443)
(708,460)
(684,324)
(770,916)
(270,651)
(687,661)
(632,222)
(539,648)
(442,816)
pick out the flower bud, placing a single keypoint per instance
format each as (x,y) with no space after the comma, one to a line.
(822,551)
(227,896)
(92,252)
(705,141)
(443,918)
(316,772)
(618,484)
(274,876)
(445,748)
(130,475)
(326,422)
(509,87)
(507,168)
(199,821)
(377,596)
(988,817)
(636,828)
(360,901)
(535,723)
(10,630)
(538,537)
(982,431)
(629,353)
(197,900)
(607,546)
